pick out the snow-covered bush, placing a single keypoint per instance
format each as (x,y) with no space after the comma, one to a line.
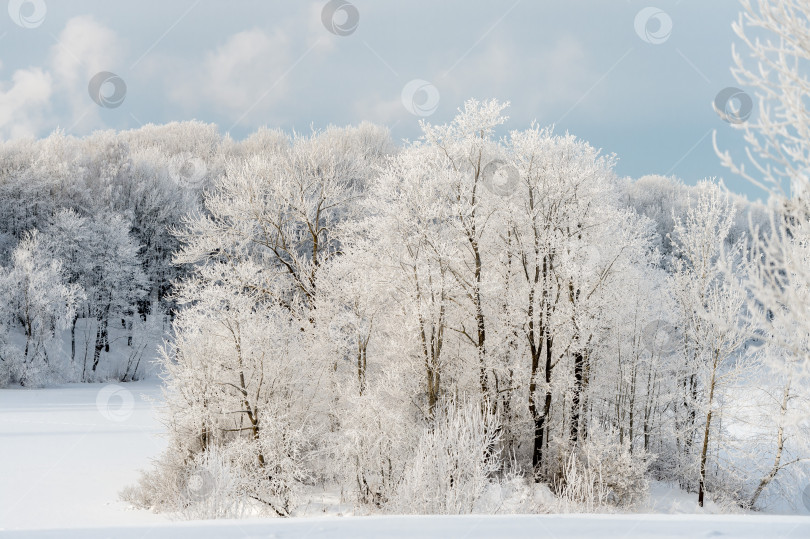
(601,473)
(453,462)
(212,488)
(209,485)
(224,481)
(159,487)
(512,494)
(373,448)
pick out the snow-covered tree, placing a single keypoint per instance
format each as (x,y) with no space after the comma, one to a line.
(711,305)
(777,38)
(560,218)
(36,299)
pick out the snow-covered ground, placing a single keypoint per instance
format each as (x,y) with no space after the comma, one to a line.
(66,452)
(471,527)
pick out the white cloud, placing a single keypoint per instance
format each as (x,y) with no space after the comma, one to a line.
(24,103)
(243,78)
(244,73)
(247,76)
(84,48)
(245,67)
(381,110)
(41,97)
(548,77)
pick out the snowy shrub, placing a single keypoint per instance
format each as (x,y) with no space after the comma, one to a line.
(513,494)
(159,487)
(212,488)
(209,485)
(220,482)
(374,444)
(275,483)
(601,473)
(581,487)
(265,475)
(451,468)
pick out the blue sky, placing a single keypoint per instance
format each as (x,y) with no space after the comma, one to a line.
(578,64)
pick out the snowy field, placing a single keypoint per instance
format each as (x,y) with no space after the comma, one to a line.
(66,452)
(471,527)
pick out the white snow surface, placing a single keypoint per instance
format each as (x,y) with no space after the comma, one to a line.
(66,453)
(470,526)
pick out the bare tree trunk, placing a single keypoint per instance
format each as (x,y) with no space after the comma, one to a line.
(537,450)
(579,362)
(586,378)
(702,484)
(105,335)
(704,449)
(73,338)
(99,345)
(433,384)
(780,443)
(537,418)
(361,365)
(632,404)
(479,319)
(127,324)
(546,343)
(546,404)
(432,349)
